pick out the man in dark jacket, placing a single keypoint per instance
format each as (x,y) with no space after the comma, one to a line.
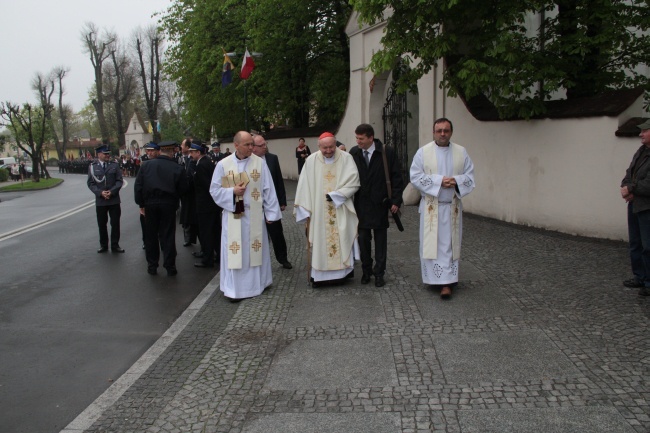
(371,201)
(188,205)
(276,233)
(208,213)
(158,188)
(105,181)
(635,190)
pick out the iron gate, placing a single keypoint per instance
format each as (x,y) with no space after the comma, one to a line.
(395,118)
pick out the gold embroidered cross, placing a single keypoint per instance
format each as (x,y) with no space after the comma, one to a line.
(255,175)
(255,194)
(256,245)
(234,247)
(329,176)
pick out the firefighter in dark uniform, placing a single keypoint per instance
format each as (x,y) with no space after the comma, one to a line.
(152,150)
(158,188)
(105,181)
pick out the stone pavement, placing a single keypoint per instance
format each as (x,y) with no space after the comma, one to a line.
(540,336)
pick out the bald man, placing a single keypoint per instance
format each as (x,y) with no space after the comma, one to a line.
(242,186)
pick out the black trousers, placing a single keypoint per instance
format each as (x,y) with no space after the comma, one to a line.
(381,245)
(160,234)
(103,212)
(276,233)
(210,236)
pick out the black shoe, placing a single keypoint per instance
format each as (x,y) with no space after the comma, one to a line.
(233,300)
(379,282)
(365,279)
(202,265)
(633,283)
(645,291)
(143,246)
(198,254)
(152,271)
(350,275)
(187,244)
(171,272)
(117,249)
(287,265)
(102,250)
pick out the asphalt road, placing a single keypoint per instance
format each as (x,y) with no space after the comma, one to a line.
(72,320)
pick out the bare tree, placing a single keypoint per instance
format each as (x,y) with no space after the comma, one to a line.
(98,49)
(64,112)
(123,83)
(149,45)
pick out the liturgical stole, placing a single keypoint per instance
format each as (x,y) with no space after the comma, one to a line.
(255,212)
(430,230)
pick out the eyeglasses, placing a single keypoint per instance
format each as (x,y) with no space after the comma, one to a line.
(440,131)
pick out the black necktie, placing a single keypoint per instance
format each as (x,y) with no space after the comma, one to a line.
(365,156)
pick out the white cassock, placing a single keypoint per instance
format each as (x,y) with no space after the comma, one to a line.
(441,208)
(248,281)
(332,225)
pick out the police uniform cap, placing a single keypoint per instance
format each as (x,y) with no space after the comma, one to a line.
(152,145)
(168,143)
(103,149)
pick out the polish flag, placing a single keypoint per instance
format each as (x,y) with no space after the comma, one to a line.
(247,66)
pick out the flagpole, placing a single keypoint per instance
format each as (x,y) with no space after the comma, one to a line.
(246,105)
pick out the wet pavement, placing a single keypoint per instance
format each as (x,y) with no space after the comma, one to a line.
(540,335)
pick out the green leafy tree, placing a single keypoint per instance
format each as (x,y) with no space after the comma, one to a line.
(579,47)
(30,126)
(300,79)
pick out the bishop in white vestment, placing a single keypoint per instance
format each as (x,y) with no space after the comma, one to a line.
(245,267)
(443,173)
(324,197)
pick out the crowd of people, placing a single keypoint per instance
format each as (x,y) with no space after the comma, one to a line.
(232,204)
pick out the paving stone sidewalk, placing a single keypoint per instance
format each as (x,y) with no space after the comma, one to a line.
(540,336)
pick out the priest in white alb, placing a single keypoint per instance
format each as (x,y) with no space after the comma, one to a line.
(324,199)
(243,187)
(443,173)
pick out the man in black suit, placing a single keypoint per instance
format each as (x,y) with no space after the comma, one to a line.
(371,200)
(188,205)
(274,228)
(208,213)
(105,181)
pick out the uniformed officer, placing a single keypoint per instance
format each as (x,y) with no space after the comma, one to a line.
(105,181)
(158,187)
(151,151)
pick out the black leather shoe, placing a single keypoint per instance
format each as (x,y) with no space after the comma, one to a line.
(202,265)
(198,254)
(633,283)
(102,250)
(152,271)
(379,282)
(350,275)
(287,265)
(117,249)
(187,244)
(365,279)
(171,272)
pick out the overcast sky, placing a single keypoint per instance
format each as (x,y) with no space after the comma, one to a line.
(38,35)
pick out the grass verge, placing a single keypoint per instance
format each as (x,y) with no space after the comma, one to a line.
(29,185)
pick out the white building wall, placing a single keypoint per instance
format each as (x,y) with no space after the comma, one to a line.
(557,174)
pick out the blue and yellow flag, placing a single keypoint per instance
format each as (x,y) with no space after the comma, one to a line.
(226,74)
